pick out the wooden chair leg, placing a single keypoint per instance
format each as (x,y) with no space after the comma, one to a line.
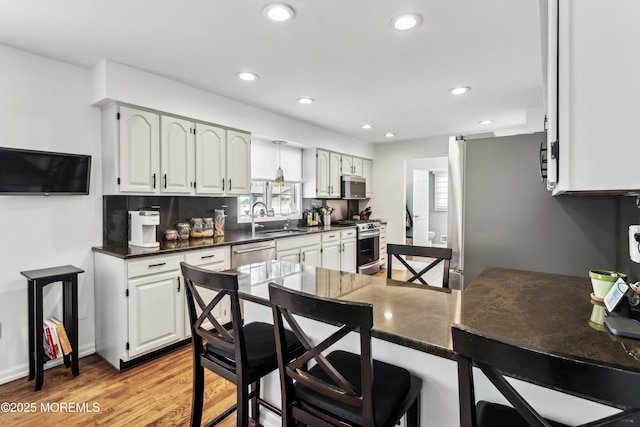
(198,395)
(242,408)
(255,406)
(413,414)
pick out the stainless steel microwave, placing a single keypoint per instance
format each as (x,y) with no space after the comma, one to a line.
(353,187)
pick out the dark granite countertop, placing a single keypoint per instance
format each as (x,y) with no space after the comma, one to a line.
(550,311)
(230,238)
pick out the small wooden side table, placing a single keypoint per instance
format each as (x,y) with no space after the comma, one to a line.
(38,279)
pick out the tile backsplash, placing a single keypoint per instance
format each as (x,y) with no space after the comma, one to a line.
(173,209)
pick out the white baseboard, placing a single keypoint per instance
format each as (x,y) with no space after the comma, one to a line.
(22,371)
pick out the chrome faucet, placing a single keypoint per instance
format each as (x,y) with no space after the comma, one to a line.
(286,224)
(253,217)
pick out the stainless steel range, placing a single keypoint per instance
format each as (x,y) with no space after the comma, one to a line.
(368,246)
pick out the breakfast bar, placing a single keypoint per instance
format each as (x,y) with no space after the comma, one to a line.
(412,327)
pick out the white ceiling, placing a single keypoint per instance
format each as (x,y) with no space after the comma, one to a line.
(343,53)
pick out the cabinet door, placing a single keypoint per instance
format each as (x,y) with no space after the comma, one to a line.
(291,255)
(176,155)
(348,256)
(347,165)
(210,159)
(331,255)
(323,183)
(367,166)
(139,151)
(357,166)
(310,255)
(155,312)
(334,175)
(238,163)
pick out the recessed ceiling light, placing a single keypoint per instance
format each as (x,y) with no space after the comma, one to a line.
(305,100)
(278,12)
(459,90)
(247,76)
(485,122)
(366,126)
(406,21)
(389,134)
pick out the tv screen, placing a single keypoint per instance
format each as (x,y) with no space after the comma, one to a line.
(42,172)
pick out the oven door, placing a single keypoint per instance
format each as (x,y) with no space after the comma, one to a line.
(368,252)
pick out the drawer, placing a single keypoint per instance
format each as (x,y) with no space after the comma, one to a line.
(153,265)
(287,243)
(209,256)
(348,234)
(332,236)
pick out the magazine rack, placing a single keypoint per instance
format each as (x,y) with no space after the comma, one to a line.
(38,279)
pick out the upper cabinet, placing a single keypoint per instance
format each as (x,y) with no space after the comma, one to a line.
(321,171)
(238,163)
(176,155)
(367,167)
(138,154)
(352,165)
(592,116)
(148,153)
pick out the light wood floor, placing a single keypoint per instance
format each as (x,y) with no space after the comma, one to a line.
(157,393)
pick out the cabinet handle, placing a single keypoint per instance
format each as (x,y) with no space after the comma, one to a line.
(207,256)
(165,180)
(157,265)
(229,184)
(342,248)
(178,283)
(222,184)
(154,180)
(303,256)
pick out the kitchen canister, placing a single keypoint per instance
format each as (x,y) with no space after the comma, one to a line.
(218,222)
(183,230)
(207,227)
(197,228)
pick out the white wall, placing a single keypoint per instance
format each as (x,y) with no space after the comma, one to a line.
(388,200)
(45,106)
(113,81)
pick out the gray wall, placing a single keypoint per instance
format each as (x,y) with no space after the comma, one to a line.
(512,221)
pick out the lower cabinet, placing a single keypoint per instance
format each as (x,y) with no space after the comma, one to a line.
(383,246)
(331,250)
(140,304)
(300,249)
(348,245)
(215,260)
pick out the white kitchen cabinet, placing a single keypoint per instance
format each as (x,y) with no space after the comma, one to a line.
(321,171)
(216,259)
(177,155)
(238,163)
(597,117)
(348,253)
(300,249)
(142,305)
(210,159)
(145,153)
(130,150)
(331,250)
(155,311)
(367,173)
(352,165)
(383,245)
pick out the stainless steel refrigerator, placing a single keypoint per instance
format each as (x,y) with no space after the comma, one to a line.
(501,214)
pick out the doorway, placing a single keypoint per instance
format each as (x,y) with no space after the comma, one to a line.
(426,198)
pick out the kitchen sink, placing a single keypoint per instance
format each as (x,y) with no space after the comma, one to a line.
(283,231)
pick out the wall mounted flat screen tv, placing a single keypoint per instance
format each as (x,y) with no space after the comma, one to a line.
(41,172)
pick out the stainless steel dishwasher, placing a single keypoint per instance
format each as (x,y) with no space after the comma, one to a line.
(249,253)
